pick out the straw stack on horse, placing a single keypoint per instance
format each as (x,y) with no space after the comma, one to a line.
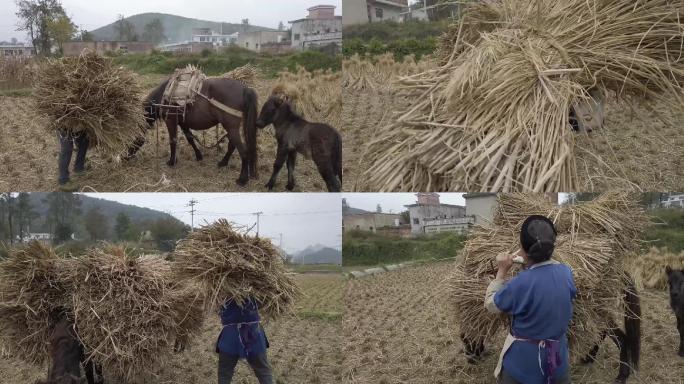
(193,101)
(595,239)
(494,115)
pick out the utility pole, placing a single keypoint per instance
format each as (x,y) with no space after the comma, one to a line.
(257,214)
(192,204)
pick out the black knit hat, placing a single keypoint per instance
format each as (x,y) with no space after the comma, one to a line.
(538,238)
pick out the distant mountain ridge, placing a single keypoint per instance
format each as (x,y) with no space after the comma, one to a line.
(318,254)
(176,28)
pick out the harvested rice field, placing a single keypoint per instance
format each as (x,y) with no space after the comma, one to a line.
(305,348)
(399,330)
(635,149)
(29,154)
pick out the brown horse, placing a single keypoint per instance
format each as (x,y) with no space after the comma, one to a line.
(202,115)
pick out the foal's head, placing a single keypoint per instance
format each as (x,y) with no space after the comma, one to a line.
(276,108)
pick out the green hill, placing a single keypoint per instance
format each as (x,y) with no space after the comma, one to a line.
(176,28)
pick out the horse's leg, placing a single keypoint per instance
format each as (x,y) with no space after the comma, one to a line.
(135,147)
(591,356)
(229,154)
(234,137)
(281,157)
(325,168)
(473,349)
(680,327)
(89,371)
(291,162)
(191,140)
(172,128)
(620,340)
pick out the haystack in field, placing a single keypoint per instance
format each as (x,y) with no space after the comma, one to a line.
(591,240)
(90,94)
(314,95)
(127,310)
(30,292)
(494,117)
(649,269)
(247,74)
(379,74)
(229,264)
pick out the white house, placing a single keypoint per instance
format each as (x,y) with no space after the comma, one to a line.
(217,39)
(428,214)
(321,27)
(674,201)
(17,50)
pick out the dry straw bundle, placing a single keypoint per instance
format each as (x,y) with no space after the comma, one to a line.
(17,72)
(126,310)
(588,241)
(494,117)
(228,264)
(90,94)
(315,95)
(379,74)
(247,74)
(30,293)
(649,269)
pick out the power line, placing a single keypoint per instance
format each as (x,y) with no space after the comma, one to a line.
(192,204)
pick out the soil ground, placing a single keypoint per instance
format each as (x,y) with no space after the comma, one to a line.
(305,348)
(635,148)
(28,158)
(399,330)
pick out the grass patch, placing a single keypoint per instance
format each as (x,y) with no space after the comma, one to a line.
(369,249)
(303,268)
(669,230)
(214,64)
(21,92)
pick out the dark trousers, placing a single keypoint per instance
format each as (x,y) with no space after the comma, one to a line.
(505,378)
(259,364)
(66,149)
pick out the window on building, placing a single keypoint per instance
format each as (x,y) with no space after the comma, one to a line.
(378,13)
(297,36)
(416,221)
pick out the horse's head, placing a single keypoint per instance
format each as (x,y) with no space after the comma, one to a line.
(273,110)
(675,280)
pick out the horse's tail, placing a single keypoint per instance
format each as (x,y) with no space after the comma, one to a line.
(337,156)
(633,321)
(250,129)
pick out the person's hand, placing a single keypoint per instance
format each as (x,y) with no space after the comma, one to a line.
(505,263)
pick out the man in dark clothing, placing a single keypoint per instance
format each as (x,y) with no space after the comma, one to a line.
(66,149)
(242,337)
(539,301)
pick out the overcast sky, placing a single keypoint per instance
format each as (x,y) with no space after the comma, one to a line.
(303,218)
(93,14)
(394,202)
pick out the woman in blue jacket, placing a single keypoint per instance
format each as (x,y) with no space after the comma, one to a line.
(242,337)
(539,302)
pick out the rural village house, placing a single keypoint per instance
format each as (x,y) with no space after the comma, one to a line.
(17,50)
(369,11)
(320,28)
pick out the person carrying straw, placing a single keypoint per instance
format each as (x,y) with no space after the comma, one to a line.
(242,337)
(539,301)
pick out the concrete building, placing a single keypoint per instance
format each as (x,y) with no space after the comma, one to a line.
(674,201)
(217,39)
(263,40)
(370,221)
(369,11)
(75,48)
(186,47)
(17,50)
(481,207)
(428,211)
(320,28)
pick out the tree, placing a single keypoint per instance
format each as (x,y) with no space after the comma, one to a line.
(154,31)
(166,231)
(24,213)
(405,217)
(63,232)
(62,209)
(378,209)
(122,227)
(245,24)
(96,224)
(86,36)
(35,17)
(281,26)
(8,211)
(125,29)
(62,29)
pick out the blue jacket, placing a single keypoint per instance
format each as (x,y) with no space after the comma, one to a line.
(539,301)
(242,334)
